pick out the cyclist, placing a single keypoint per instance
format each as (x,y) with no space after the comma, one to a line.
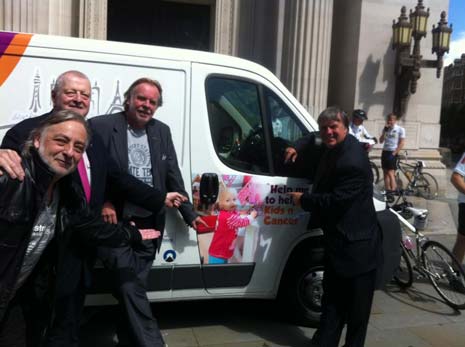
(357,129)
(393,137)
(458,181)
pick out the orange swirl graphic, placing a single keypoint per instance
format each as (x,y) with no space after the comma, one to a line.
(12,55)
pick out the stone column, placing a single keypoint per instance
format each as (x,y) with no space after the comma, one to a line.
(306,44)
(93,19)
(225,26)
(54,17)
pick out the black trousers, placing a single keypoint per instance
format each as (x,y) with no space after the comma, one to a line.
(129,268)
(64,331)
(346,301)
(24,321)
(13,325)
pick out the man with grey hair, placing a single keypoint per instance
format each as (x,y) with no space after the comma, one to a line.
(341,202)
(33,214)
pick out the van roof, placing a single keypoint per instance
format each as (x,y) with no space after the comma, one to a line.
(139,50)
(143,51)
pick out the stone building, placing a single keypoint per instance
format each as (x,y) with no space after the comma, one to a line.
(453,89)
(325,51)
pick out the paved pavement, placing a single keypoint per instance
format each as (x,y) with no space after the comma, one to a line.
(413,318)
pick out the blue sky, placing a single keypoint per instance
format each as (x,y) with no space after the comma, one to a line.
(456,16)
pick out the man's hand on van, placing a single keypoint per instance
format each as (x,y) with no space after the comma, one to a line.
(290,155)
(10,162)
(174,199)
(109,213)
(197,221)
(296,197)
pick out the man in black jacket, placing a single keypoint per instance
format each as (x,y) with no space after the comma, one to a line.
(45,211)
(72,91)
(341,203)
(141,145)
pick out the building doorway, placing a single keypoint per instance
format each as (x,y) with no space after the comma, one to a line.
(162,22)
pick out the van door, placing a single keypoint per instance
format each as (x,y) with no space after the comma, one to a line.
(241,125)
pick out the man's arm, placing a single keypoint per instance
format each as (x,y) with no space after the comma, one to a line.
(458,182)
(348,186)
(89,229)
(399,146)
(139,193)
(299,146)
(12,142)
(175,183)
(10,161)
(13,139)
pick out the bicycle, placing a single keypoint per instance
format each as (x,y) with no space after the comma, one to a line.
(397,200)
(430,259)
(422,183)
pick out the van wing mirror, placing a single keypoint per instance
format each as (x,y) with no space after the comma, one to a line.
(209,187)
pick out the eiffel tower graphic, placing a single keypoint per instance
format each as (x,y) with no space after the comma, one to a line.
(117,103)
(95,100)
(35,103)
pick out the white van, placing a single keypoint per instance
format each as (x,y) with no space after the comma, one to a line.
(231,120)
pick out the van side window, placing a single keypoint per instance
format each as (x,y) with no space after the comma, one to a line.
(286,129)
(236,125)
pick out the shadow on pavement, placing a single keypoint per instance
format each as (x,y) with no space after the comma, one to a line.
(261,318)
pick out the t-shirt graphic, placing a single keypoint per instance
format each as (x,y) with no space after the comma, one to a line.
(139,166)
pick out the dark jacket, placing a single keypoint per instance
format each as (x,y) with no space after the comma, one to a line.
(341,203)
(20,202)
(112,129)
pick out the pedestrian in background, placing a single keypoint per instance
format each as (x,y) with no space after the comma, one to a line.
(458,181)
(393,137)
(357,129)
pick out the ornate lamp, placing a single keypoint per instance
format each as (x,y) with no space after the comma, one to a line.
(401,31)
(441,41)
(407,68)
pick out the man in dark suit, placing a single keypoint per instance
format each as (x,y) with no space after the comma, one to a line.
(72,91)
(143,146)
(341,203)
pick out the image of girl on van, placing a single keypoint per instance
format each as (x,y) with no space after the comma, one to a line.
(228,226)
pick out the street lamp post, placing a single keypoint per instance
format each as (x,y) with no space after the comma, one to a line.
(407,66)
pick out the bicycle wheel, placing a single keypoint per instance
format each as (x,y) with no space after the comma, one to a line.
(375,171)
(404,273)
(427,186)
(445,273)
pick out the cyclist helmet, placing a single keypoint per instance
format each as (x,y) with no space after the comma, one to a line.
(360,114)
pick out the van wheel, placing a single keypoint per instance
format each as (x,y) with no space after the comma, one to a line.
(302,290)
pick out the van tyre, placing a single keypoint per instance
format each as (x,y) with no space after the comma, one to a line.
(302,288)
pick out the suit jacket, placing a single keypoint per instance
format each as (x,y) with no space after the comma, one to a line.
(165,169)
(341,203)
